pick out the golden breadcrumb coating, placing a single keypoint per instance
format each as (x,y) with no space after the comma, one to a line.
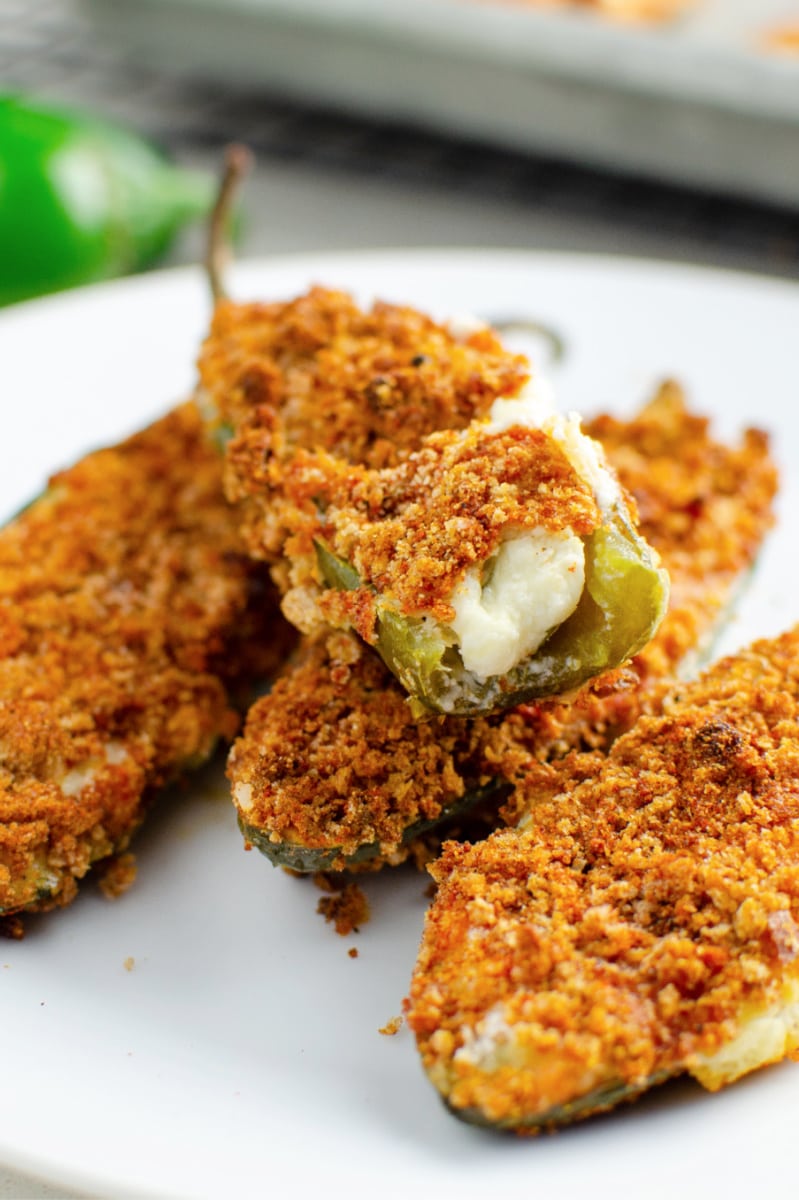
(346,910)
(335,760)
(348,431)
(115,875)
(127,610)
(706,508)
(367,386)
(412,531)
(643,922)
(704,505)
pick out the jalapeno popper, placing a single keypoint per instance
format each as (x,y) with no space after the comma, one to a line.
(334,769)
(409,481)
(642,923)
(128,612)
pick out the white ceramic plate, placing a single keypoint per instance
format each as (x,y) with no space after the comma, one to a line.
(241,1055)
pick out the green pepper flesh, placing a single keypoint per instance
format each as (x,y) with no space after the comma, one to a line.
(601,1099)
(623,602)
(307,859)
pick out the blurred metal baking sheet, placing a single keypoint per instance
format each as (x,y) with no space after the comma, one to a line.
(699,101)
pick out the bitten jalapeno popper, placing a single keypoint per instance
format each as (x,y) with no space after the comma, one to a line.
(408,480)
(334,770)
(644,921)
(128,613)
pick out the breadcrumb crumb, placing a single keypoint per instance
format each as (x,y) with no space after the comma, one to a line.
(346,910)
(116,875)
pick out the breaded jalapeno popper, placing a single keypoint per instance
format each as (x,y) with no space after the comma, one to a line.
(407,480)
(128,612)
(334,769)
(642,923)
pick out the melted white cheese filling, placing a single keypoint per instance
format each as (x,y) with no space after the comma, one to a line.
(74,781)
(763,1037)
(537,577)
(536,583)
(490,1044)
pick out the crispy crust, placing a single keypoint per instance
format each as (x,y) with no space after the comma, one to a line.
(127,611)
(413,530)
(334,756)
(348,431)
(704,505)
(645,913)
(366,386)
(706,508)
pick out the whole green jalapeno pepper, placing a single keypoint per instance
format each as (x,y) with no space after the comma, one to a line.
(82,200)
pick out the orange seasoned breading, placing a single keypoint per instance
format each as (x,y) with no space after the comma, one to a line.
(412,530)
(346,910)
(334,760)
(342,420)
(127,612)
(366,386)
(704,505)
(643,922)
(706,508)
(402,504)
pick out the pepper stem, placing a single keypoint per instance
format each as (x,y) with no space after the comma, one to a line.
(218,251)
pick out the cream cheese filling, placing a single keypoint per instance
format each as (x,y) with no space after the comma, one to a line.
(763,1037)
(536,583)
(506,608)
